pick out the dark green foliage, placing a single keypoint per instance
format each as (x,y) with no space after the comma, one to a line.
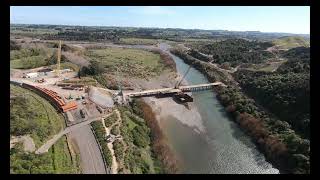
(115,130)
(85,35)
(64,47)
(298,61)
(136,134)
(274,137)
(26,52)
(141,136)
(236,51)
(286,95)
(118,150)
(302,53)
(29,163)
(110,120)
(99,33)
(199,56)
(100,135)
(209,71)
(95,68)
(25,120)
(52,60)
(56,161)
(135,106)
(14,45)
(260,126)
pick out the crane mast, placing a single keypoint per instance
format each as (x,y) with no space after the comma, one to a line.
(58,59)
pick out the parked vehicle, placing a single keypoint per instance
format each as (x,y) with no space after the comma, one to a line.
(82,113)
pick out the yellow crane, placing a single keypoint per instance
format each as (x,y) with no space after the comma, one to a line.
(58,59)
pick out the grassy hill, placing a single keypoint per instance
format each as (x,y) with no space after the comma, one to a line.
(32,115)
(288,42)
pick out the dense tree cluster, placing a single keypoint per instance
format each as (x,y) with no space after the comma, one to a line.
(99,133)
(236,51)
(301,53)
(298,61)
(95,68)
(163,155)
(83,36)
(196,54)
(136,136)
(281,145)
(286,95)
(175,34)
(26,52)
(14,45)
(274,137)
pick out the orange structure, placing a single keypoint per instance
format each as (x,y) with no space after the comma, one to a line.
(69,106)
(54,98)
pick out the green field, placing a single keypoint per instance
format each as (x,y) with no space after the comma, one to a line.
(30,114)
(129,62)
(290,42)
(138,41)
(28,62)
(200,40)
(28,58)
(32,31)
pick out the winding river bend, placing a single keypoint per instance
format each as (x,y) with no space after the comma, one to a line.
(223,148)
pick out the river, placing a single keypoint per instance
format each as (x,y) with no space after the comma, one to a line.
(223,148)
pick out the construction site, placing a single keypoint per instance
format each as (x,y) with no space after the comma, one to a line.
(70,99)
(81,103)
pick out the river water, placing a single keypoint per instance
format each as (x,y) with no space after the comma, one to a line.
(223,148)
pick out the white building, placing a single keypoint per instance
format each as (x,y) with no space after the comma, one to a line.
(32,75)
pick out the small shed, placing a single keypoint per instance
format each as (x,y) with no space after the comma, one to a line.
(32,75)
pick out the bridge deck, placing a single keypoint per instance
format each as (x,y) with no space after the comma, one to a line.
(172,90)
(201,85)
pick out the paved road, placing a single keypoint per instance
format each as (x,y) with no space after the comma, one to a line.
(90,155)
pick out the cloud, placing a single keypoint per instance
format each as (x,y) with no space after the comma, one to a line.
(152,10)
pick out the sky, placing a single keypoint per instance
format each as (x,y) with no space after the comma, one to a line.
(289,19)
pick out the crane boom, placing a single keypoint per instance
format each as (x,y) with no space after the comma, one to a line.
(185,74)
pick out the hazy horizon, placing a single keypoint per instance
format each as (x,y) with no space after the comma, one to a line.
(275,19)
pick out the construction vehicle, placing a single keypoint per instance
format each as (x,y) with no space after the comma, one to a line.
(70,97)
(82,113)
(179,82)
(99,109)
(41,80)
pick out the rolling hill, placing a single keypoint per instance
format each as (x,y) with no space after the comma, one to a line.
(288,42)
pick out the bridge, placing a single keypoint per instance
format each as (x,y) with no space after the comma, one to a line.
(172,90)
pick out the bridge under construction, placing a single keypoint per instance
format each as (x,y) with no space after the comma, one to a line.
(170,91)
